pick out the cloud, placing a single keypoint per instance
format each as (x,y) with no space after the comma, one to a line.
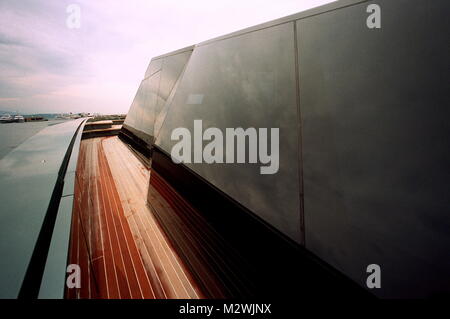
(47,67)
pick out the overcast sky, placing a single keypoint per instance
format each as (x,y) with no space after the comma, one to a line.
(47,67)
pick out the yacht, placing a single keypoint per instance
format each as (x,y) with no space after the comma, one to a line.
(18,119)
(6,118)
(358,207)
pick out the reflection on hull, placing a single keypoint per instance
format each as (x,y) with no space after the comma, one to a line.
(115,238)
(363,160)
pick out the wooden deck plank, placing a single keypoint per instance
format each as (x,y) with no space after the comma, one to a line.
(147,259)
(132,178)
(134,267)
(119,245)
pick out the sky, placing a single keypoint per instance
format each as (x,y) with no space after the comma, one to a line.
(48,67)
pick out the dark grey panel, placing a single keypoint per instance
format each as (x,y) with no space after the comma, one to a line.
(245,81)
(159,120)
(165,55)
(374,107)
(150,99)
(152,94)
(27,178)
(133,116)
(310,12)
(54,277)
(141,113)
(171,70)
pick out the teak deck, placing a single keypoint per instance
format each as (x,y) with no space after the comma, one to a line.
(117,242)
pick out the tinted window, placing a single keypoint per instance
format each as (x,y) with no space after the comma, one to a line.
(245,81)
(375,138)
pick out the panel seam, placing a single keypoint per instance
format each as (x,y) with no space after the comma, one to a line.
(264,26)
(299,137)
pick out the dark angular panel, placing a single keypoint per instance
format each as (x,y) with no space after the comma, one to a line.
(161,76)
(134,115)
(171,70)
(151,87)
(173,67)
(140,118)
(245,81)
(159,120)
(374,105)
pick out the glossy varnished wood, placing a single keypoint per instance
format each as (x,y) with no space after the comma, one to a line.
(120,247)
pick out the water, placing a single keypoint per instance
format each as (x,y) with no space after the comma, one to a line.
(14,134)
